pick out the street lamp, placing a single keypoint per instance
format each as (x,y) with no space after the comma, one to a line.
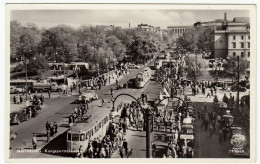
(26,75)
(148,113)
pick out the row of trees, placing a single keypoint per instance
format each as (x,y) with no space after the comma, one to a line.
(95,45)
(197,38)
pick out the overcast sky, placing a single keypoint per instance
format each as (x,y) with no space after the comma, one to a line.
(160,18)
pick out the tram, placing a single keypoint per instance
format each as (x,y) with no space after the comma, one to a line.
(157,64)
(143,77)
(81,133)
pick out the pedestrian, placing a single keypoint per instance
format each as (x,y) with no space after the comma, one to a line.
(112,91)
(211,91)
(125,146)
(55,126)
(21,99)
(49,92)
(121,151)
(210,130)
(34,142)
(102,101)
(14,99)
(11,153)
(80,153)
(220,136)
(51,130)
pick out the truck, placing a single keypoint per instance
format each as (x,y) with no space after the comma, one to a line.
(43,87)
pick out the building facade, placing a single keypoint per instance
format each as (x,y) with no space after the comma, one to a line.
(234,40)
(176,31)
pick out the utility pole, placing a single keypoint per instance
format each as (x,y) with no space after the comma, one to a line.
(26,77)
(148,116)
(196,67)
(238,82)
(63,67)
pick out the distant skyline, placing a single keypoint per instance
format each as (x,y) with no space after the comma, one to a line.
(122,18)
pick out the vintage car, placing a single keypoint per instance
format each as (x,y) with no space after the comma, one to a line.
(18,117)
(240,88)
(87,97)
(190,104)
(221,108)
(188,139)
(188,121)
(228,119)
(35,110)
(187,129)
(14,89)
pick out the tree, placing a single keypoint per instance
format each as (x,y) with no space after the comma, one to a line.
(59,43)
(196,38)
(36,65)
(231,67)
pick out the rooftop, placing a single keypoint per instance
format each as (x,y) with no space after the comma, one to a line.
(241,19)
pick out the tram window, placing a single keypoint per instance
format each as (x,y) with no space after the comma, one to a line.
(69,136)
(75,137)
(82,137)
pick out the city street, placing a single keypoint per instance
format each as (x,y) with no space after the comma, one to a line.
(103,85)
(58,109)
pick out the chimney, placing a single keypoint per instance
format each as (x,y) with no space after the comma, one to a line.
(129,25)
(225,17)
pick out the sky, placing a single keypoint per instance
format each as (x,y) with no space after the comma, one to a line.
(122,18)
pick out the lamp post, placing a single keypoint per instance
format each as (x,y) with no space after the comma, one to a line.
(148,113)
(238,72)
(26,76)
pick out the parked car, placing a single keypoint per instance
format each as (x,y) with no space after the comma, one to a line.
(15,90)
(35,109)
(240,88)
(18,117)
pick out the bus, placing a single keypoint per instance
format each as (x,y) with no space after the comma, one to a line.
(34,86)
(20,83)
(143,77)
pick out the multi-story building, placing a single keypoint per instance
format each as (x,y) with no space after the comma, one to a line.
(176,31)
(146,27)
(234,40)
(149,28)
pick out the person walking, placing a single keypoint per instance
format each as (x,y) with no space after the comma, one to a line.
(125,146)
(14,99)
(55,126)
(49,93)
(34,142)
(121,151)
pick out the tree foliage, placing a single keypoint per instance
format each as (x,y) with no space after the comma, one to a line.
(231,67)
(197,38)
(86,43)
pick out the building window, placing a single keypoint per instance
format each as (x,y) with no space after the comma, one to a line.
(234,45)
(234,54)
(248,37)
(248,45)
(234,37)
(242,37)
(248,54)
(242,45)
(242,54)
